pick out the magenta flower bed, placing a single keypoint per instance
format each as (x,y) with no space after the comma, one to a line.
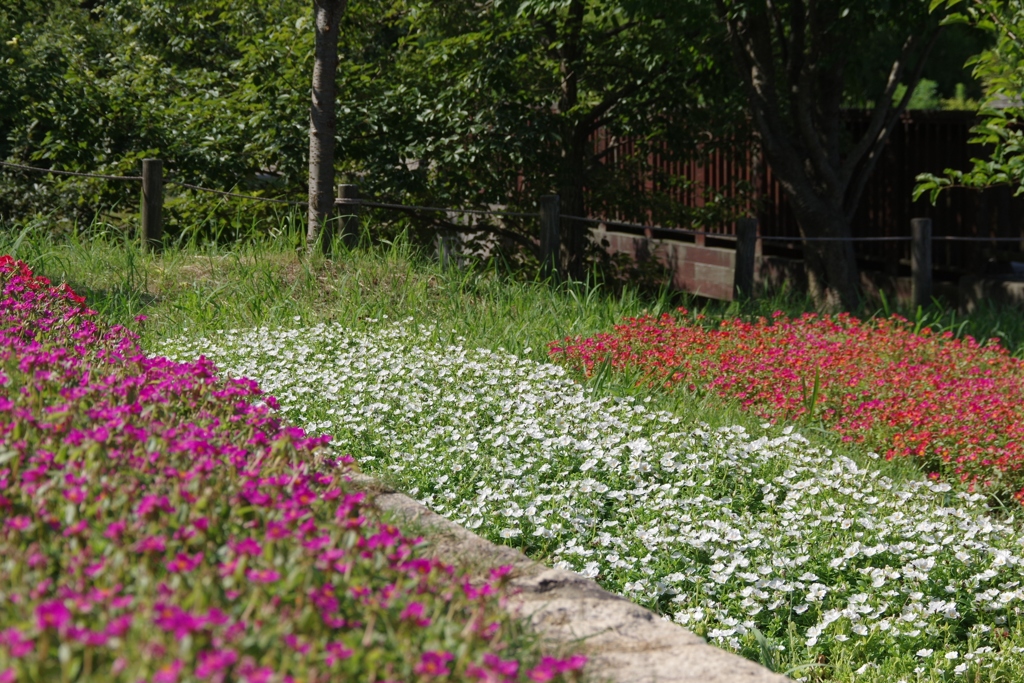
(955,403)
(158,523)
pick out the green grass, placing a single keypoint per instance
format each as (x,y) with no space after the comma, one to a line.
(203,290)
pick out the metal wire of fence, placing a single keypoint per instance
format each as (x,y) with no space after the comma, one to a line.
(436,209)
(271,200)
(956,238)
(640,226)
(101,176)
(510,214)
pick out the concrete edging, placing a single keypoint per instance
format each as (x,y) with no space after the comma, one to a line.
(624,643)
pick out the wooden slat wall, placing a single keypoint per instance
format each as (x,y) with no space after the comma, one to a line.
(922,142)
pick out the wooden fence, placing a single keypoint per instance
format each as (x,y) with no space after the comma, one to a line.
(923,141)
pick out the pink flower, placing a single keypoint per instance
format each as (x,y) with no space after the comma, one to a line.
(433,663)
(276,530)
(52,615)
(118,626)
(263,575)
(500,572)
(494,670)
(349,505)
(16,643)
(79,527)
(413,612)
(214,662)
(92,570)
(474,593)
(292,641)
(153,504)
(550,667)
(246,546)
(174,619)
(249,672)
(8,676)
(184,563)
(87,637)
(155,544)
(337,652)
(168,673)
(498,665)
(227,568)
(115,530)
(19,523)
(75,495)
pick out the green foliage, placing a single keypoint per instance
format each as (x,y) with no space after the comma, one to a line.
(448,103)
(1001,69)
(216,89)
(925,95)
(490,104)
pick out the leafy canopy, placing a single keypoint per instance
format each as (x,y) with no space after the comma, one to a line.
(1001,70)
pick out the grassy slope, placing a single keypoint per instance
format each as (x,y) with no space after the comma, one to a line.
(206,289)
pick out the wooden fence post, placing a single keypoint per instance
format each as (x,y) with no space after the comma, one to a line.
(152,204)
(347,207)
(921,261)
(446,249)
(746,249)
(550,240)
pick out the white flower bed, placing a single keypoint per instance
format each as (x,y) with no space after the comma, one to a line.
(730,533)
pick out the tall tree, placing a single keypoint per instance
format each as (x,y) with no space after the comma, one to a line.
(322,122)
(496,103)
(797,59)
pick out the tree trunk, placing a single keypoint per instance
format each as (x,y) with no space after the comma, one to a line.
(577,233)
(571,180)
(322,124)
(832,276)
(793,58)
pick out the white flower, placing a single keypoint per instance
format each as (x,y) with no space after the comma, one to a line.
(926,652)
(487,433)
(816,592)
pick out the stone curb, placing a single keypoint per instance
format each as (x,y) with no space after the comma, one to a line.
(624,643)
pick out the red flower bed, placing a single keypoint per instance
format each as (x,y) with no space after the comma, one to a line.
(954,402)
(159,524)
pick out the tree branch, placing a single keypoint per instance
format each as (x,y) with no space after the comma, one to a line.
(857,169)
(753,56)
(594,118)
(878,117)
